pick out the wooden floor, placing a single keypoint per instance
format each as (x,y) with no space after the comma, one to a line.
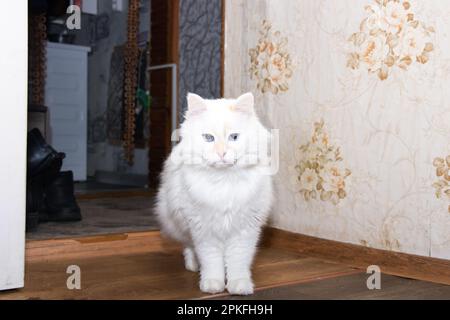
(144,266)
(353,287)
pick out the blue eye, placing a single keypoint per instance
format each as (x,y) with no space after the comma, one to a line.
(233,137)
(208,137)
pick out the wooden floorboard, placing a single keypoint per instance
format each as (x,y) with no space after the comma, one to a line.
(390,262)
(116,193)
(144,266)
(353,287)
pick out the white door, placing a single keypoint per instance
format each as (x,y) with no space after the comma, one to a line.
(13,129)
(66,99)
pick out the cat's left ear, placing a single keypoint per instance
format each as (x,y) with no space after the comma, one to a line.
(245,103)
(196,105)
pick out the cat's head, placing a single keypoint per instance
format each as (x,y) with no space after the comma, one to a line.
(222,133)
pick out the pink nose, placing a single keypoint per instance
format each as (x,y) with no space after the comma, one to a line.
(221,154)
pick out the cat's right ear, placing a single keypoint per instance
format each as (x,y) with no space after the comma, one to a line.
(196,105)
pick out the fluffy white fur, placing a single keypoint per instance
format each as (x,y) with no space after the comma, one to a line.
(216,195)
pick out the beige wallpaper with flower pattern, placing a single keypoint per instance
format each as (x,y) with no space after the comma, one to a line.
(360,90)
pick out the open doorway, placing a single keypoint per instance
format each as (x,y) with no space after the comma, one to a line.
(103,97)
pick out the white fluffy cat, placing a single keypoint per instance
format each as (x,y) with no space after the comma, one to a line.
(215,193)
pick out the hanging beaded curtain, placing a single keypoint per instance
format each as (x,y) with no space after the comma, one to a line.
(37,57)
(130,80)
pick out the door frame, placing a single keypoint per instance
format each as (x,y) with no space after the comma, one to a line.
(164,52)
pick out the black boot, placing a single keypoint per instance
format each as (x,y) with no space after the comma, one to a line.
(34,199)
(43,165)
(41,157)
(60,203)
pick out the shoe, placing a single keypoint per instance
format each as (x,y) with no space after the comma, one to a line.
(43,165)
(32,204)
(34,201)
(41,157)
(32,221)
(59,202)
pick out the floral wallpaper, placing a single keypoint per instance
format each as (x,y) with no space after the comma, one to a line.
(442,184)
(320,172)
(271,64)
(359,92)
(390,37)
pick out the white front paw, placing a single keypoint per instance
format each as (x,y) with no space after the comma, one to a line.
(191,264)
(240,286)
(212,285)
